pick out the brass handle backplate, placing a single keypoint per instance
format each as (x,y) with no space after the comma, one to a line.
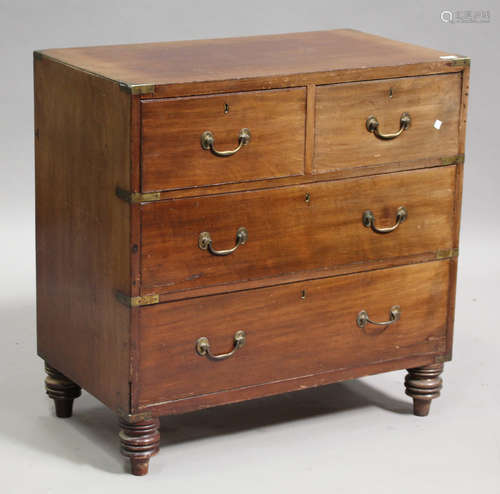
(372,125)
(369,220)
(208,143)
(205,242)
(394,315)
(203,346)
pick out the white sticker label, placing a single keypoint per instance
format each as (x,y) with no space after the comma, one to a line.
(437,124)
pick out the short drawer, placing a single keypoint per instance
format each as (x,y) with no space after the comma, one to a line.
(182,136)
(291,331)
(431,105)
(299,229)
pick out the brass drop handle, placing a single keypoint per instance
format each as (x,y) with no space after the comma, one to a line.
(369,220)
(394,315)
(208,142)
(203,346)
(205,242)
(372,125)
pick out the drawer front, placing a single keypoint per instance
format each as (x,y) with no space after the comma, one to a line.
(173,156)
(299,229)
(291,331)
(342,110)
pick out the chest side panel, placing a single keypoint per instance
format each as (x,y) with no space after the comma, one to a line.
(82,228)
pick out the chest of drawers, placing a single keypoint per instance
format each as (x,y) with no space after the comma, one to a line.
(228,219)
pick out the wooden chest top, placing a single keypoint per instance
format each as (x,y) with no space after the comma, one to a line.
(255,62)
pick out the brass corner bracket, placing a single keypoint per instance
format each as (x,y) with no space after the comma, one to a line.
(460,62)
(137,197)
(138,301)
(134,417)
(446,253)
(456,60)
(452,160)
(137,89)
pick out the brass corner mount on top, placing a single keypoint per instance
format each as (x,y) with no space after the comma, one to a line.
(461,62)
(137,89)
(457,60)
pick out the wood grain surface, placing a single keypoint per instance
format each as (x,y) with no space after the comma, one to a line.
(289,235)
(244,58)
(341,173)
(343,141)
(172,156)
(458,201)
(82,229)
(286,386)
(303,329)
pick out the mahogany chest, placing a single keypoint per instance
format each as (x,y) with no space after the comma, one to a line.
(228,219)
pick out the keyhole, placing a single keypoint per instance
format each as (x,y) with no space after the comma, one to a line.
(303,294)
(226,108)
(390,92)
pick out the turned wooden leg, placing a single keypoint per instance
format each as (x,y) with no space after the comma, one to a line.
(62,390)
(423,384)
(139,442)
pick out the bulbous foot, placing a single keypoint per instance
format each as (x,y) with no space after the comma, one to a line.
(423,384)
(62,390)
(140,441)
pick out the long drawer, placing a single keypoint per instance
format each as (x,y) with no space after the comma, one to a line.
(303,328)
(301,229)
